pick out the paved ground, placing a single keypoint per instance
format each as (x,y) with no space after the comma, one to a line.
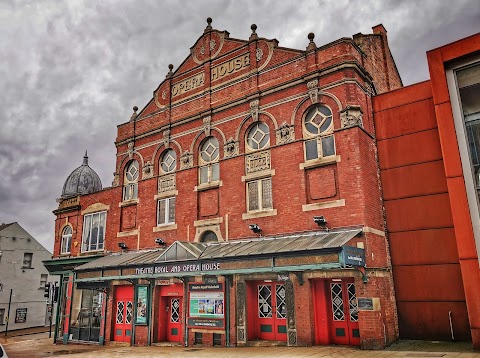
(40,346)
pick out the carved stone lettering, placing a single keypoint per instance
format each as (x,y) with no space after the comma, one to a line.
(166,183)
(188,84)
(234,65)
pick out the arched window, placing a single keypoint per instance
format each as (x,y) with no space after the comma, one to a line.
(208,161)
(318,133)
(130,182)
(209,236)
(66,240)
(258,137)
(168,162)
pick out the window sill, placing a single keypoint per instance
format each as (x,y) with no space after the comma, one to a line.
(259,175)
(127,233)
(206,186)
(259,214)
(165,194)
(324,205)
(128,202)
(27,268)
(165,227)
(320,162)
(93,252)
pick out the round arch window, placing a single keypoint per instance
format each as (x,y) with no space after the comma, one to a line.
(318,120)
(209,236)
(258,136)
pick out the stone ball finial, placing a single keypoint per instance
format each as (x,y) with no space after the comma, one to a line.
(135,108)
(209,25)
(254,28)
(311,44)
(170,67)
(209,20)
(254,35)
(311,36)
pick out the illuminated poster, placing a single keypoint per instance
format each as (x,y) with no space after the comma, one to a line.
(142,302)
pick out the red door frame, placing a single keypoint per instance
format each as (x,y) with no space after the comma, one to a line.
(164,329)
(123,314)
(271,328)
(345,329)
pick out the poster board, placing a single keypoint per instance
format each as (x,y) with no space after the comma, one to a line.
(142,305)
(206,303)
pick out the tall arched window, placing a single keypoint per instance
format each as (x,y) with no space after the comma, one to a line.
(318,133)
(209,170)
(258,137)
(66,240)
(130,181)
(168,162)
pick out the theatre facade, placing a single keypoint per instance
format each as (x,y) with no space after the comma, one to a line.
(245,208)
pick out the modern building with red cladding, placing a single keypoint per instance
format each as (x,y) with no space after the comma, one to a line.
(428,152)
(247,207)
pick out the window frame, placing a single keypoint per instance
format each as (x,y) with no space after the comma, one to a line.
(29,264)
(261,206)
(208,165)
(66,237)
(167,201)
(463,145)
(91,215)
(130,186)
(162,161)
(249,133)
(320,137)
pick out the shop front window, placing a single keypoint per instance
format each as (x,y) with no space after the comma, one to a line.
(86,315)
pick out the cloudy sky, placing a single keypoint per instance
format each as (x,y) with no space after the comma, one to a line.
(71,71)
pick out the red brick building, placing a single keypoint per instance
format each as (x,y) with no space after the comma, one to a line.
(246,205)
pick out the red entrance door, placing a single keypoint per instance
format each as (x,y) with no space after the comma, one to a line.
(122,331)
(174,316)
(271,311)
(343,312)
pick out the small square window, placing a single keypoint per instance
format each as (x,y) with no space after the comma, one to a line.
(259,195)
(43,279)
(2,316)
(166,211)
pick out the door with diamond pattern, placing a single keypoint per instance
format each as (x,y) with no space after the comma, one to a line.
(122,331)
(174,317)
(272,311)
(344,312)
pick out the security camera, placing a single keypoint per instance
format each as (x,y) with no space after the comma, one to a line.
(255,228)
(160,242)
(122,245)
(320,220)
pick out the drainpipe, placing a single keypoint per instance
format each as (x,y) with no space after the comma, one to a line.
(150,311)
(185,281)
(451,325)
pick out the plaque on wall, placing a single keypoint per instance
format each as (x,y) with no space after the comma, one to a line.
(365,304)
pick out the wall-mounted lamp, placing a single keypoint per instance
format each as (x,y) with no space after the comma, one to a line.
(122,245)
(320,220)
(160,242)
(255,228)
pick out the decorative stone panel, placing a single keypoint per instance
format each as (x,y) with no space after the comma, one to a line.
(312,87)
(207,125)
(240,310)
(257,162)
(351,116)
(285,133)
(186,160)
(166,138)
(290,302)
(116,180)
(166,183)
(254,109)
(231,148)
(147,171)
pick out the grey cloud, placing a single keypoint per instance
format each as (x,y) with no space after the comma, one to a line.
(72,70)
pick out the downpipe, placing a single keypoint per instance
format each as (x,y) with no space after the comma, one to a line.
(451,325)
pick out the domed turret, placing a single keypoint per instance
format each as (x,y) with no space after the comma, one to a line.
(83,180)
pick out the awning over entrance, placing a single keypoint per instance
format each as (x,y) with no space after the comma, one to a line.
(295,252)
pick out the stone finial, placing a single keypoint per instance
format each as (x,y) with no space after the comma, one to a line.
(209,25)
(170,71)
(254,35)
(134,114)
(311,44)
(85,158)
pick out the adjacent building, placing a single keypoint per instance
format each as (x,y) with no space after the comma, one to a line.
(248,206)
(22,280)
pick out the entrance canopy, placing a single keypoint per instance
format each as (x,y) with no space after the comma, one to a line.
(294,252)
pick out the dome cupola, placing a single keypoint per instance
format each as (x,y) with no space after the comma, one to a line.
(83,180)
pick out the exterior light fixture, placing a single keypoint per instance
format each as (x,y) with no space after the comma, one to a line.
(160,242)
(122,245)
(320,220)
(255,228)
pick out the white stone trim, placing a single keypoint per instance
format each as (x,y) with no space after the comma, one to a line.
(324,205)
(259,214)
(165,227)
(320,162)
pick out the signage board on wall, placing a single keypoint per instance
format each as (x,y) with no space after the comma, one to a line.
(21,315)
(194,267)
(206,303)
(353,256)
(142,302)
